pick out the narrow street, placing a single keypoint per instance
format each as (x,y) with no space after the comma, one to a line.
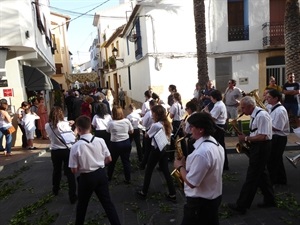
(26,197)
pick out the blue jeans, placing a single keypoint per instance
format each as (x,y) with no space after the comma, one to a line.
(8,139)
(291,108)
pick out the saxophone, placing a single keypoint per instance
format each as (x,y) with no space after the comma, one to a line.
(241,147)
(179,154)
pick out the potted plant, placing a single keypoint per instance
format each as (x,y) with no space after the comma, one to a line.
(112,62)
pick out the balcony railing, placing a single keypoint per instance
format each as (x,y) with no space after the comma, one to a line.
(273,34)
(238,33)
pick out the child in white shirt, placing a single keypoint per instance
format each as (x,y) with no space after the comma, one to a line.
(28,122)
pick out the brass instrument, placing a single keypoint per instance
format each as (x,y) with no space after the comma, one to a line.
(294,160)
(241,147)
(179,155)
(255,95)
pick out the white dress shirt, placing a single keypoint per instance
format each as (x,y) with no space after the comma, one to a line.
(204,168)
(88,157)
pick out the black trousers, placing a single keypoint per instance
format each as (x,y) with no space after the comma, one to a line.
(38,133)
(257,175)
(60,158)
(201,211)
(97,182)
(105,135)
(147,149)
(136,136)
(219,135)
(275,163)
(161,157)
(122,149)
(24,138)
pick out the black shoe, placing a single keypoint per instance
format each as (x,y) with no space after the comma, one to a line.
(141,194)
(226,168)
(158,168)
(141,167)
(127,182)
(266,205)
(234,207)
(55,191)
(171,198)
(73,199)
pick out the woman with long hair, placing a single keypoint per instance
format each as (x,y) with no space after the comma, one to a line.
(100,122)
(119,129)
(20,114)
(110,98)
(60,151)
(42,113)
(156,155)
(176,113)
(5,123)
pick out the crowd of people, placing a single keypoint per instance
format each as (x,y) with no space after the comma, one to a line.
(104,133)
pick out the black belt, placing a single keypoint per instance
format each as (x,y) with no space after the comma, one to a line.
(199,199)
(60,149)
(100,168)
(260,142)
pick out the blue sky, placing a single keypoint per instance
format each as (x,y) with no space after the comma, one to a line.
(81,30)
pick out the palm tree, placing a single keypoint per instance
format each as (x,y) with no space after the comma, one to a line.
(199,14)
(292,37)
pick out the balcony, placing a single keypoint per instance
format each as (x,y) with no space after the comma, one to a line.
(238,33)
(273,35)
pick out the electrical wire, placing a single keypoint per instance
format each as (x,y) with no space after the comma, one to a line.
(81,15)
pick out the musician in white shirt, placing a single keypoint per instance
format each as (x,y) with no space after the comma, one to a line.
(202,173)
(280,128)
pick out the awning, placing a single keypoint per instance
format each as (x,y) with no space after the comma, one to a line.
(55,84)
(35,79)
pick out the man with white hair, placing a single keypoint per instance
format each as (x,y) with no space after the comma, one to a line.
(259,151)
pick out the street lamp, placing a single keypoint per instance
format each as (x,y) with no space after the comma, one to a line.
(115,53)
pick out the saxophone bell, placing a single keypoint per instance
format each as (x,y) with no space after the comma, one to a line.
(241,147)
(179,155)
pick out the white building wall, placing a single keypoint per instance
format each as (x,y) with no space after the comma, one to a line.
(217,27)
(244,53)
(17,18)
(168,33)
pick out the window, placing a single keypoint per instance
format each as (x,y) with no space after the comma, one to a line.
(223,67)
(58,67)
(276,68)
(129,78)
(38,17)
(238,24)
(138,42)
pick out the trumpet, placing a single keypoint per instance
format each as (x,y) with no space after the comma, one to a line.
(294,160)
(179,155)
